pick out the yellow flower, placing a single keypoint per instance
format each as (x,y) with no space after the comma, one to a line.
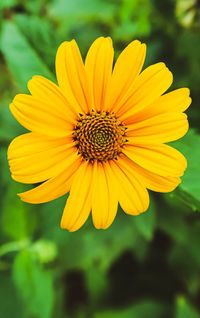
(99,134)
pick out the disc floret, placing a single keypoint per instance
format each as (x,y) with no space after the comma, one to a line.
(99,136)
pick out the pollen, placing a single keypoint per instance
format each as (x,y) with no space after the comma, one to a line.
(99,136)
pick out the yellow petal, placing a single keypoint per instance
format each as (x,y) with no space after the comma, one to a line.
(29,143)
(126,70)
(72,77)
(39,116)
(112,190)
(175,101)
(151,180)
(98,65)
(45,90)
(150,84)
(104,201)
(78,205)
(161,128)
(54,187)
(160,159)
(132,195)
(34,158)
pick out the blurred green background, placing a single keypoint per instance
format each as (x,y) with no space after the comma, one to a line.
(147,266)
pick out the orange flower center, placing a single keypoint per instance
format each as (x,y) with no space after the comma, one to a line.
(99,136)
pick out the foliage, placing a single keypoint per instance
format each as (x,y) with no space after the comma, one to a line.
(147,266)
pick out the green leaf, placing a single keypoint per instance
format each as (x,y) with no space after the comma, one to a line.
(5,173)
(38,30)
(171,216)
(9,308)
(4,4)
(87,9)
(184,309)
(35,7)
(18,221)
(190,147)
(97,283)
(9,126)
(146,222)
(34,284)
(134,20)
(185,12)
(141,310)
(13,246)
(22,60)
(44,250)
(90,246)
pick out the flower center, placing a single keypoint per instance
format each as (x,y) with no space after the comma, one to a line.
(99,136)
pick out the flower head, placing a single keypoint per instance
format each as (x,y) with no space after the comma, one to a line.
(100,134)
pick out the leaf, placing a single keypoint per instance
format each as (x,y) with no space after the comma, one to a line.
(38,30)
(23,62)
(35,7)
(34,284)
(186,199)
(103,248)
(44,250)
(189,72)
(87,9)
(5,173)
(9,126)
(9,309)
(18,222)
(190,147)
(140,310)
(134,20)
(173,214)
(184,309)
(97,283)
(89,246)
(4,4)
(185,12)
(146,222)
